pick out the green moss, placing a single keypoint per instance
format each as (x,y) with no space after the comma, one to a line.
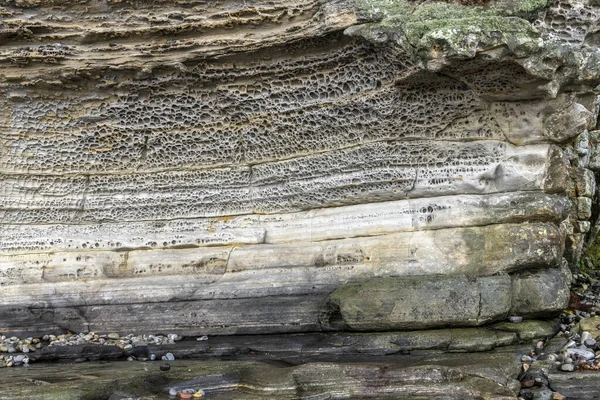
(532,5)
(593,255)
(384,8)
(439,30)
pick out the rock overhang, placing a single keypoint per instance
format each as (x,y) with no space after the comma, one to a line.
(225,168)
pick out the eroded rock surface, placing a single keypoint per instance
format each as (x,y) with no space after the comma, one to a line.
(253,167)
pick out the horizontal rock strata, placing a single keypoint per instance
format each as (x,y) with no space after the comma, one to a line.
(390,303)
(430,376)
(237,167)
(316,346)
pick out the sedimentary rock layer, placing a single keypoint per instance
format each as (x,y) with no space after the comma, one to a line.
(233,167)
(490,376)
(374,305)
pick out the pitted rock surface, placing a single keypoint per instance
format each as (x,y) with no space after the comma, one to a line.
(227,167)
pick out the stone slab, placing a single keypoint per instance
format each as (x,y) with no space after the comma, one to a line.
(418,303)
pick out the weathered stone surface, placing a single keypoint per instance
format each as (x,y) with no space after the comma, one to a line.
(299,346)
(576,385)
(424,376)
(528,329)
(224,167)
(86,278)
(398,303)
(544,292)
(591,325)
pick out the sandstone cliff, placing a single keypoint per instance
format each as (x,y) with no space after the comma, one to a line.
(244,167)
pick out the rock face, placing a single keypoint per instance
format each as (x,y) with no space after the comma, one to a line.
(270,167)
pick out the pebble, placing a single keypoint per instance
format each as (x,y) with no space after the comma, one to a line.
(184,395)
(569,344)
(173,392)
(548,357)
(526,358)
(527,383)
(586,336)
(567,367)
(581,353)
(201,338)
(540,344)
(591,343)
(515,319)
(165,366)
(543,394)
(15,345)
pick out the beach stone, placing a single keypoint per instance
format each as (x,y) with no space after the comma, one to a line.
(584,354)
(165,366)
(543,394)
(591,325)
(567,367)
(585,335)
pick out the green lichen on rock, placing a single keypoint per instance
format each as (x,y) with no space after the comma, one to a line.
(437,32)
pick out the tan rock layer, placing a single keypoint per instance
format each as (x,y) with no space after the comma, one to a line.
(316,225)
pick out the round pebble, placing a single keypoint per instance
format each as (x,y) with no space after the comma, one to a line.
(169,357)
(165,366)
(567,367)
(152,357)
(515,319)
